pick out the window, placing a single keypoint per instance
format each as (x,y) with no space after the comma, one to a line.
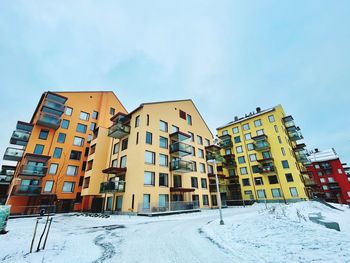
(43,134)
(202,167)
(72,170)
(194,182)
(61,137)
(237,139)
(111,111)
(248,136)
(331,179)
(95,115)
(256,169)
(276,128)
(276,192)
(81,128)
(163,159)
(340,171)
(192,136)
(204,183)
(115,163)
(260,132)
(271,118)
(123,161)
(93,148)
(163,179)
(322,180)
(289,178)
(68,187)
(84,116)
(210,169)
(57,152)
(146,201)
(235,130)
(283,151)
(89,138)
(250,146)
(182,114)
(261,194)
(207,142)
(177,181)
(252,157)
(68,111)
(279,139)
(205,200)
(124,144)
(258,181)
(228,151)
(65,124)
(266,155)
(214,201)
(194,165)
(317,166)
(285,164)
(53,168)
(257,123)
(324,187)
(200,153)
(137,121)
(163,126)
(243,170)
(116,148)
(163,142)
(293,191)
(92,126)
(86,182)
(148,138)
(245,182)
(199,139)
(48,186)
(189,119)
(239,149)
(150,157)
(174,128)
(39,148)
(246,127)
(241,159)
(231,172)
(163,200)
(75,155)
(78,141)
(224,132)
(193,151)
(273,179)
(148,178)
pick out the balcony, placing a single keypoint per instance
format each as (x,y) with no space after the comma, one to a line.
(325,166)
(5,179)
(229,161)
(334,186)
(28,190)
(295,135)
(222,188)
(112,187)
(54,105)
(181,166)
(226,141)
(118,130)
(33,170)
(233,183)
(20,138)
(288,121)
(212,151)
(309,182)
(179,136)
(13,154)
(261,143)
(49,120)
(264,169)
(301,157)
(180,149)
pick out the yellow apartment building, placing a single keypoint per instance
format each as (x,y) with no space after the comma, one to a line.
(154,161)
(264,160)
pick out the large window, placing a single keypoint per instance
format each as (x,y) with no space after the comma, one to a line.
(53,168)
(72,170)
(48,186)
(248,136)
(39,148)
(148,138)
(43,134)
(65,124)
(271,118)
(61,137)
(163,159)
(239,149)
(243,170)
(116,148)
(257,123)
(194,182)
(75,155)
(137,121)
(150,157)
(177,181)
(276,192)
(250,146)
(293,191)
(68,187)
(146,201)
(237,139)
(78,141)
(163,200)
(261,193)
(84,116)
(235,130)
(241,159)
(57,152)
(81,128)
(163,142)
(189,119)
(163,126)
(246,127)
(199,139)
(149,178)
(200,153)
(245,182)
(289,177)
(163,179)
(252,157)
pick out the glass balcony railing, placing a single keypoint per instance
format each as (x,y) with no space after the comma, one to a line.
(49,120)
(181,166)
(302,157)
(261,145)
(108,187)
(20,138)
(288,121)
(180,149)
(226,143)
(30,190)
(33,170)
(5,179)
(56,98)
(13,154)
(118,130)
(222,188)
(53,105)
(295,135)
(264,169)
(7,170)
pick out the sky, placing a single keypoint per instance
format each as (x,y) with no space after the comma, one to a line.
(228,56)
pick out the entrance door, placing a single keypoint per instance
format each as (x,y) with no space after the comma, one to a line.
(96,205)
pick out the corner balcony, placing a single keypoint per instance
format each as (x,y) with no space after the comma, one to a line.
(181,166)
(295,134)
(179,136)
(27,190)
(5,179)
(261,143)
(54,105)
(118,130)
(20,138)
(13,154)
(288,121)
(226,141)
(229,161)
(180,149)
(33,170)
(112,187)
(49,120)
(222,188)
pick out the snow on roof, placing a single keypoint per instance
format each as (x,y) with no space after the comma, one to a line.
(325,155)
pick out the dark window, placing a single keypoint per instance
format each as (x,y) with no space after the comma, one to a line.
(57,152)
(148,138)
(137,138)
(147,121)
(285,164)
(81,128)
(256,169)
(273,179)
(237,139)
(86,153)
(95,115)
(112,111)
(214,200)
(75,155)
(83,167)
(92,126)
(177,181)
(245,182)
(61,137)
(81,180)
(194,182)
(43,134)
(65,124)
(189,119)
(205,200)
(204,183)
(258,181)
(163,179)
(182,114)
(39,148)
(124,144)
(78,198)
(289,178)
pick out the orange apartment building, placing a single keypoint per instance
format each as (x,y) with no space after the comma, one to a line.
(48,156)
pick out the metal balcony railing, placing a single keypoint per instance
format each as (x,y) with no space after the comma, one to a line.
(30,190)
(13,154)
(181,166)
(110,187)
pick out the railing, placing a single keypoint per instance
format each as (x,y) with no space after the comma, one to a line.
(108,187)
(149,208)
(180,149)
(295,135)
(222,188)
(53,105)
(181,166)
(118,130)
(33,170)
(301,157)
(20,137)
(33,210)
(49,120)
(26,190)
(288,121)
(261,145)
(5,179)
(226,143)
(13,154)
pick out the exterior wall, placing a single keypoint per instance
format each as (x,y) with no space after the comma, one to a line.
(274,131)
(78,101)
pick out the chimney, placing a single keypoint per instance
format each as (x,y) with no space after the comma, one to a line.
(236,118)
(258,109)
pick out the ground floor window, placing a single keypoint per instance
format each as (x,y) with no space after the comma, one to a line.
(293,191)
(163,200)
(214,200)
(276,192)
(146,201)
(109,203)
(261,194)
(195,198)
(205,200)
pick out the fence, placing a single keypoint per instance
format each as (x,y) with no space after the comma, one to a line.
(168,207)
(33,210)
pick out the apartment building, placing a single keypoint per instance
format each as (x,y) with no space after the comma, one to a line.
(155,161)
(330,176)
(46,162)
(264,158)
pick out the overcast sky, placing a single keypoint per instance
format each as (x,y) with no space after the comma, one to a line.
(228,56)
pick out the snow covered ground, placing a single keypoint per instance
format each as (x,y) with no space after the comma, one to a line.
(280,233)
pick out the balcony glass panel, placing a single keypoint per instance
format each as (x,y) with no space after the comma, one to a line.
(33,170)
(118,130)
(49,120)
(24,126)
(13,154)
(53,105)
(295,135)
(20,138)
(181,166)
(261,145)
(26,190)
(56,98)
(52,111)
(5,179)
(226,143)
(107,187)
(180,149)
(288,121)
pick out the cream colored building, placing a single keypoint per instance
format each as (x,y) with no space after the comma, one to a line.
(152,159)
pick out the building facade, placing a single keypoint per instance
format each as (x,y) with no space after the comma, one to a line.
(155,161)
(330,175)
(46,163)
(264,160)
